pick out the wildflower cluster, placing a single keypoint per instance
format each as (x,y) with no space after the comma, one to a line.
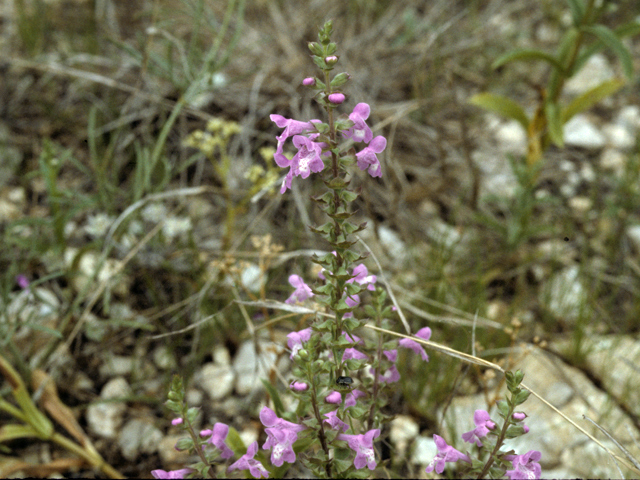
(341,379)
(488,438)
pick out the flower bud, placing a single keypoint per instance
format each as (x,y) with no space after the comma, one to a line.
(177,421)
(298,386)
(519,416)
(303,354)
(336,98)
(333,397)
(331,60)
(309,82)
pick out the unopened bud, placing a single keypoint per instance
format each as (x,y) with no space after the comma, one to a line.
(309,82)
(331,60)
(336,98)
(519,416)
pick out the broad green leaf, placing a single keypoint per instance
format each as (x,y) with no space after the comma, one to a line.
(502,105)
(275,396)
(554,125)
(609,38)
(591,97)
(528,55)
(577,11)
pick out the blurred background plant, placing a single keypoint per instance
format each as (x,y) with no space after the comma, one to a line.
(136,247)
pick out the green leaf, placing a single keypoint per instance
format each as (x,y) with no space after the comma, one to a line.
(275,396)
(525,54)
(502,105)
(577,11)
(590,98)
(609,38)
(554,124)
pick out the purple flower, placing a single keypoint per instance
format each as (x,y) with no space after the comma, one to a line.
(361,275)
(367,158)
(363,446)
(307,159)
(171,473)
(247,462)
(302,290)
(22,281)
(352,301)
(483,425)
(360,131)
(336,98)
(352,397)
(425,334)
(333,397)
(391,375)
(176,421)
(352,338)
(446,453)
(291,127)
(298,386)
(218,436)
(296,339)
(524,466)
(335,422)
(308,82)
(352,353)
(281,437)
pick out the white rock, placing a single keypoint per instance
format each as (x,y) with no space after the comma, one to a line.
(221,355)
(512,138)
(580,205)
(581,132)
(619,136)
(629,117)
(163,358)
(392,243)
(168,454)
(116,365)
(497,175)
(587,173)
(565,295)
(613,160)
(215,380)
(595,71)
(138,436)
(250,368)
(424,450)
(105,418)
(633,232)
(252,278)
(403,430)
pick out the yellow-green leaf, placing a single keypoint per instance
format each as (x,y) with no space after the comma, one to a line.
(502,105)
(554,126)
(528,55)
(591,97)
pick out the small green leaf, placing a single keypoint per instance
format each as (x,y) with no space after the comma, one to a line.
(554,124)
(609,38)
(524,54)
(577,11)
(275,396)
(590,98)
(502,105)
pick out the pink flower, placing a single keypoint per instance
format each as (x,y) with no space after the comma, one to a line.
(446,453)
(296,339)
(218,436)
(171,473)
(367,158)
(247,462)
(483,425)
(391,375)
(352,397)
(336,98)
(298,386)
(307,159)
(331,60)
(281,437)
(524,466)
(176,421)
(352,353)
(302,290)
(291,127)
(519,416)
(333,397)
(361,275)
(308,82)
(335,422)
(22,281)
(352,301)
(363,446)
(425,334)
(360,131)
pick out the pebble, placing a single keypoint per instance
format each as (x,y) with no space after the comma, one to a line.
(216,380)
(138,436)
(105,418)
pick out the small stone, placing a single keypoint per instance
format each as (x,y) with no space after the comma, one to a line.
(221,355)
(115,365)
(250,369)
(633,232)
(619,137)
(580,205)
(595,71)
(163,358)
(613,160)
(403,430)
(138,436)
(215,380)
(512,138)
(105,418)
(581,132)
(424,450)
